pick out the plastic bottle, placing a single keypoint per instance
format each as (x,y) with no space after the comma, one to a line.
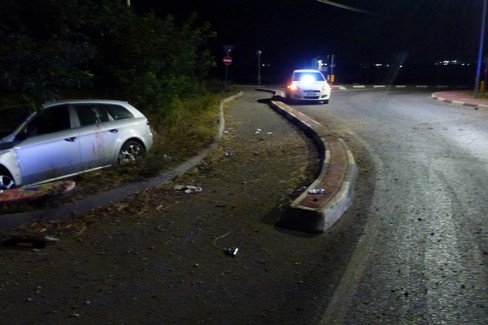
(317,191)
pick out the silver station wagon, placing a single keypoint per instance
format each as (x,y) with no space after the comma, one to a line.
(69,137)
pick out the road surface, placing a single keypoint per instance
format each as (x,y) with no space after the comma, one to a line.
(423,254)
(412,249)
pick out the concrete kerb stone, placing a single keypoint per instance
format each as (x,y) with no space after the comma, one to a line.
(338,194)
(440,97)
(303,218)
(72,209)
(338,183)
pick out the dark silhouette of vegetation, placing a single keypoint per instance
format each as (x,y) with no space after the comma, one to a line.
(51,48)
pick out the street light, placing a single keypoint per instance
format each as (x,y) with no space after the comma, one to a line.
(258,53)
(480,53)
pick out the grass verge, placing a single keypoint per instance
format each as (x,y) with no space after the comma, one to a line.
(179,135)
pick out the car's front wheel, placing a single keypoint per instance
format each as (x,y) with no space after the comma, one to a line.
(6,180)
(130,152)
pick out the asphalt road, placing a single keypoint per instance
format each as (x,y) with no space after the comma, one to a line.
(423,254)
(412,249)
(160,256)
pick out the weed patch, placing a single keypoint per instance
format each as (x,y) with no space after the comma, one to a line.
(179,135)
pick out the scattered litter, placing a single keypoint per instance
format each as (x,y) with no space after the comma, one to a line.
(28,242)
(231,251)
(258,131)
(203,165)
(229,154)
(317,191)
(51,239)
(215,240)
(188,189)
(81,231)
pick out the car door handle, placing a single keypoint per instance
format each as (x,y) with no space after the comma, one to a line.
(70,139)
(113,130)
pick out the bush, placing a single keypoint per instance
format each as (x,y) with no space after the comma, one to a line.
(54,47)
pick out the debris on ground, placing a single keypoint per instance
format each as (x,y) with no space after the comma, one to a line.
(188,189)
(27,242)
(317,191)
(220,237)
(231,251)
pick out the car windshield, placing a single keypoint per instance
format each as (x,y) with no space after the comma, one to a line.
(11,118)
(300,76)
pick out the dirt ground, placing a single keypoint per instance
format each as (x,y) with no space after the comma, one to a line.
(169,257)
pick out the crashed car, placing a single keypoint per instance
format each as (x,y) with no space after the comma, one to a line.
(65,138)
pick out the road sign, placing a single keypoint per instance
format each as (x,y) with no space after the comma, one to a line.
(228,49)
(227,60)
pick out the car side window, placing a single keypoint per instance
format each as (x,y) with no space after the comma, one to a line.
(90,114)
(118,112)
(52,119)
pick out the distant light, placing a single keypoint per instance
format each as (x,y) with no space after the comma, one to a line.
(451,62)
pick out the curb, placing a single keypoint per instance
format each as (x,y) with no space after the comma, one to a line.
(315,213)
(436,96)
(388,86)
(75,208)
(377,86)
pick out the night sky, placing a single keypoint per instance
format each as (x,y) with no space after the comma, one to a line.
(290,32)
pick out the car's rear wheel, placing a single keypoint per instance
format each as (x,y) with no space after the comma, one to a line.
(130,152)
(6,180)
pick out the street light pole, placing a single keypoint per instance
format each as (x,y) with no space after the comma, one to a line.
(480,53)
(258,53)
